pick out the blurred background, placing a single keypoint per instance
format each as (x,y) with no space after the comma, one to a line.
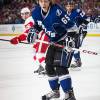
(10,9)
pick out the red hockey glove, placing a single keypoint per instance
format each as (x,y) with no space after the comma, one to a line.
(22,37)
(14,40)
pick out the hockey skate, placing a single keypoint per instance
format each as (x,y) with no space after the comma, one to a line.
(51,95)
(77,65)
(69,95)
(40,70)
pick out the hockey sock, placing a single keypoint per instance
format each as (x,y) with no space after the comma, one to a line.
(53,82)
(77,55)
(65,82)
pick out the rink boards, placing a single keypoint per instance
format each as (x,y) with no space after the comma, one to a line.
(93,29)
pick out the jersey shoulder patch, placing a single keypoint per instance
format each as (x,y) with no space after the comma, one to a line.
(58,12)
(78,10)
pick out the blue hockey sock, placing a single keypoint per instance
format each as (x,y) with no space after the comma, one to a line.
(77,55)
(53,82)
(65,82)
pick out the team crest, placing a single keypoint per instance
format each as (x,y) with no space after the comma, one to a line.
(58,12)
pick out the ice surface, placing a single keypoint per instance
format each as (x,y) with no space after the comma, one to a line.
(18,82)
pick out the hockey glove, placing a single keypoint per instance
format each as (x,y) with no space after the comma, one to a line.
(14,40)
(32,35)
(80,21)
(69,44)
(83,30)
(18,39)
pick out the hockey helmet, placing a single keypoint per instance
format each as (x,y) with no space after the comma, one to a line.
(25,10)
(69,2)
(51,1)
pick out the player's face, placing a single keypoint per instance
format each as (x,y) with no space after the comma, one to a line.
(44,4)
(69,7)
(25,15)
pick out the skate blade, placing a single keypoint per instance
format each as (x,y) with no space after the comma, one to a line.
(76,69)
(39,75)
(56,99)
(44,98)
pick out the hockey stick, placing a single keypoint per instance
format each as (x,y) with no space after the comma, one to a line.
(58,45)
(9,41)
(75,49)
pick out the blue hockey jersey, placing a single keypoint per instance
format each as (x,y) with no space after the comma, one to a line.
(55,22)
(78,16)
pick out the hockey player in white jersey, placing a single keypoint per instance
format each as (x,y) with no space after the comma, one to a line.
(26,15)
(30,35)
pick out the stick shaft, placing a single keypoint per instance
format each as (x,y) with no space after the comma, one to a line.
(81,50)
(9,41)
(58,45)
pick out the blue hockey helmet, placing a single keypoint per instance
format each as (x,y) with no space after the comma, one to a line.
(51,1)
(69,2)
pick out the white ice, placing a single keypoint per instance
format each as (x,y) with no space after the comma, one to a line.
(18,82)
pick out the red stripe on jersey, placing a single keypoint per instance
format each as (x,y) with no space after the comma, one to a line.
(40,46)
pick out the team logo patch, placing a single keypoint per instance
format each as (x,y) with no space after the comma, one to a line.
(58,12)
(78,10)
(52,34)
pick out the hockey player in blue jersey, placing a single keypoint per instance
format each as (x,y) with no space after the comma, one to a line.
(79,17)
(51,18)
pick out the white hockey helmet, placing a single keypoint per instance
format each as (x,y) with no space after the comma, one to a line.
(25,9)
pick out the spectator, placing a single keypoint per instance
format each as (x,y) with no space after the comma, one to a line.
(11,9)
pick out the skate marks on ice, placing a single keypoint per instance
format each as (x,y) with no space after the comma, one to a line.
(17,81)
(90,98)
